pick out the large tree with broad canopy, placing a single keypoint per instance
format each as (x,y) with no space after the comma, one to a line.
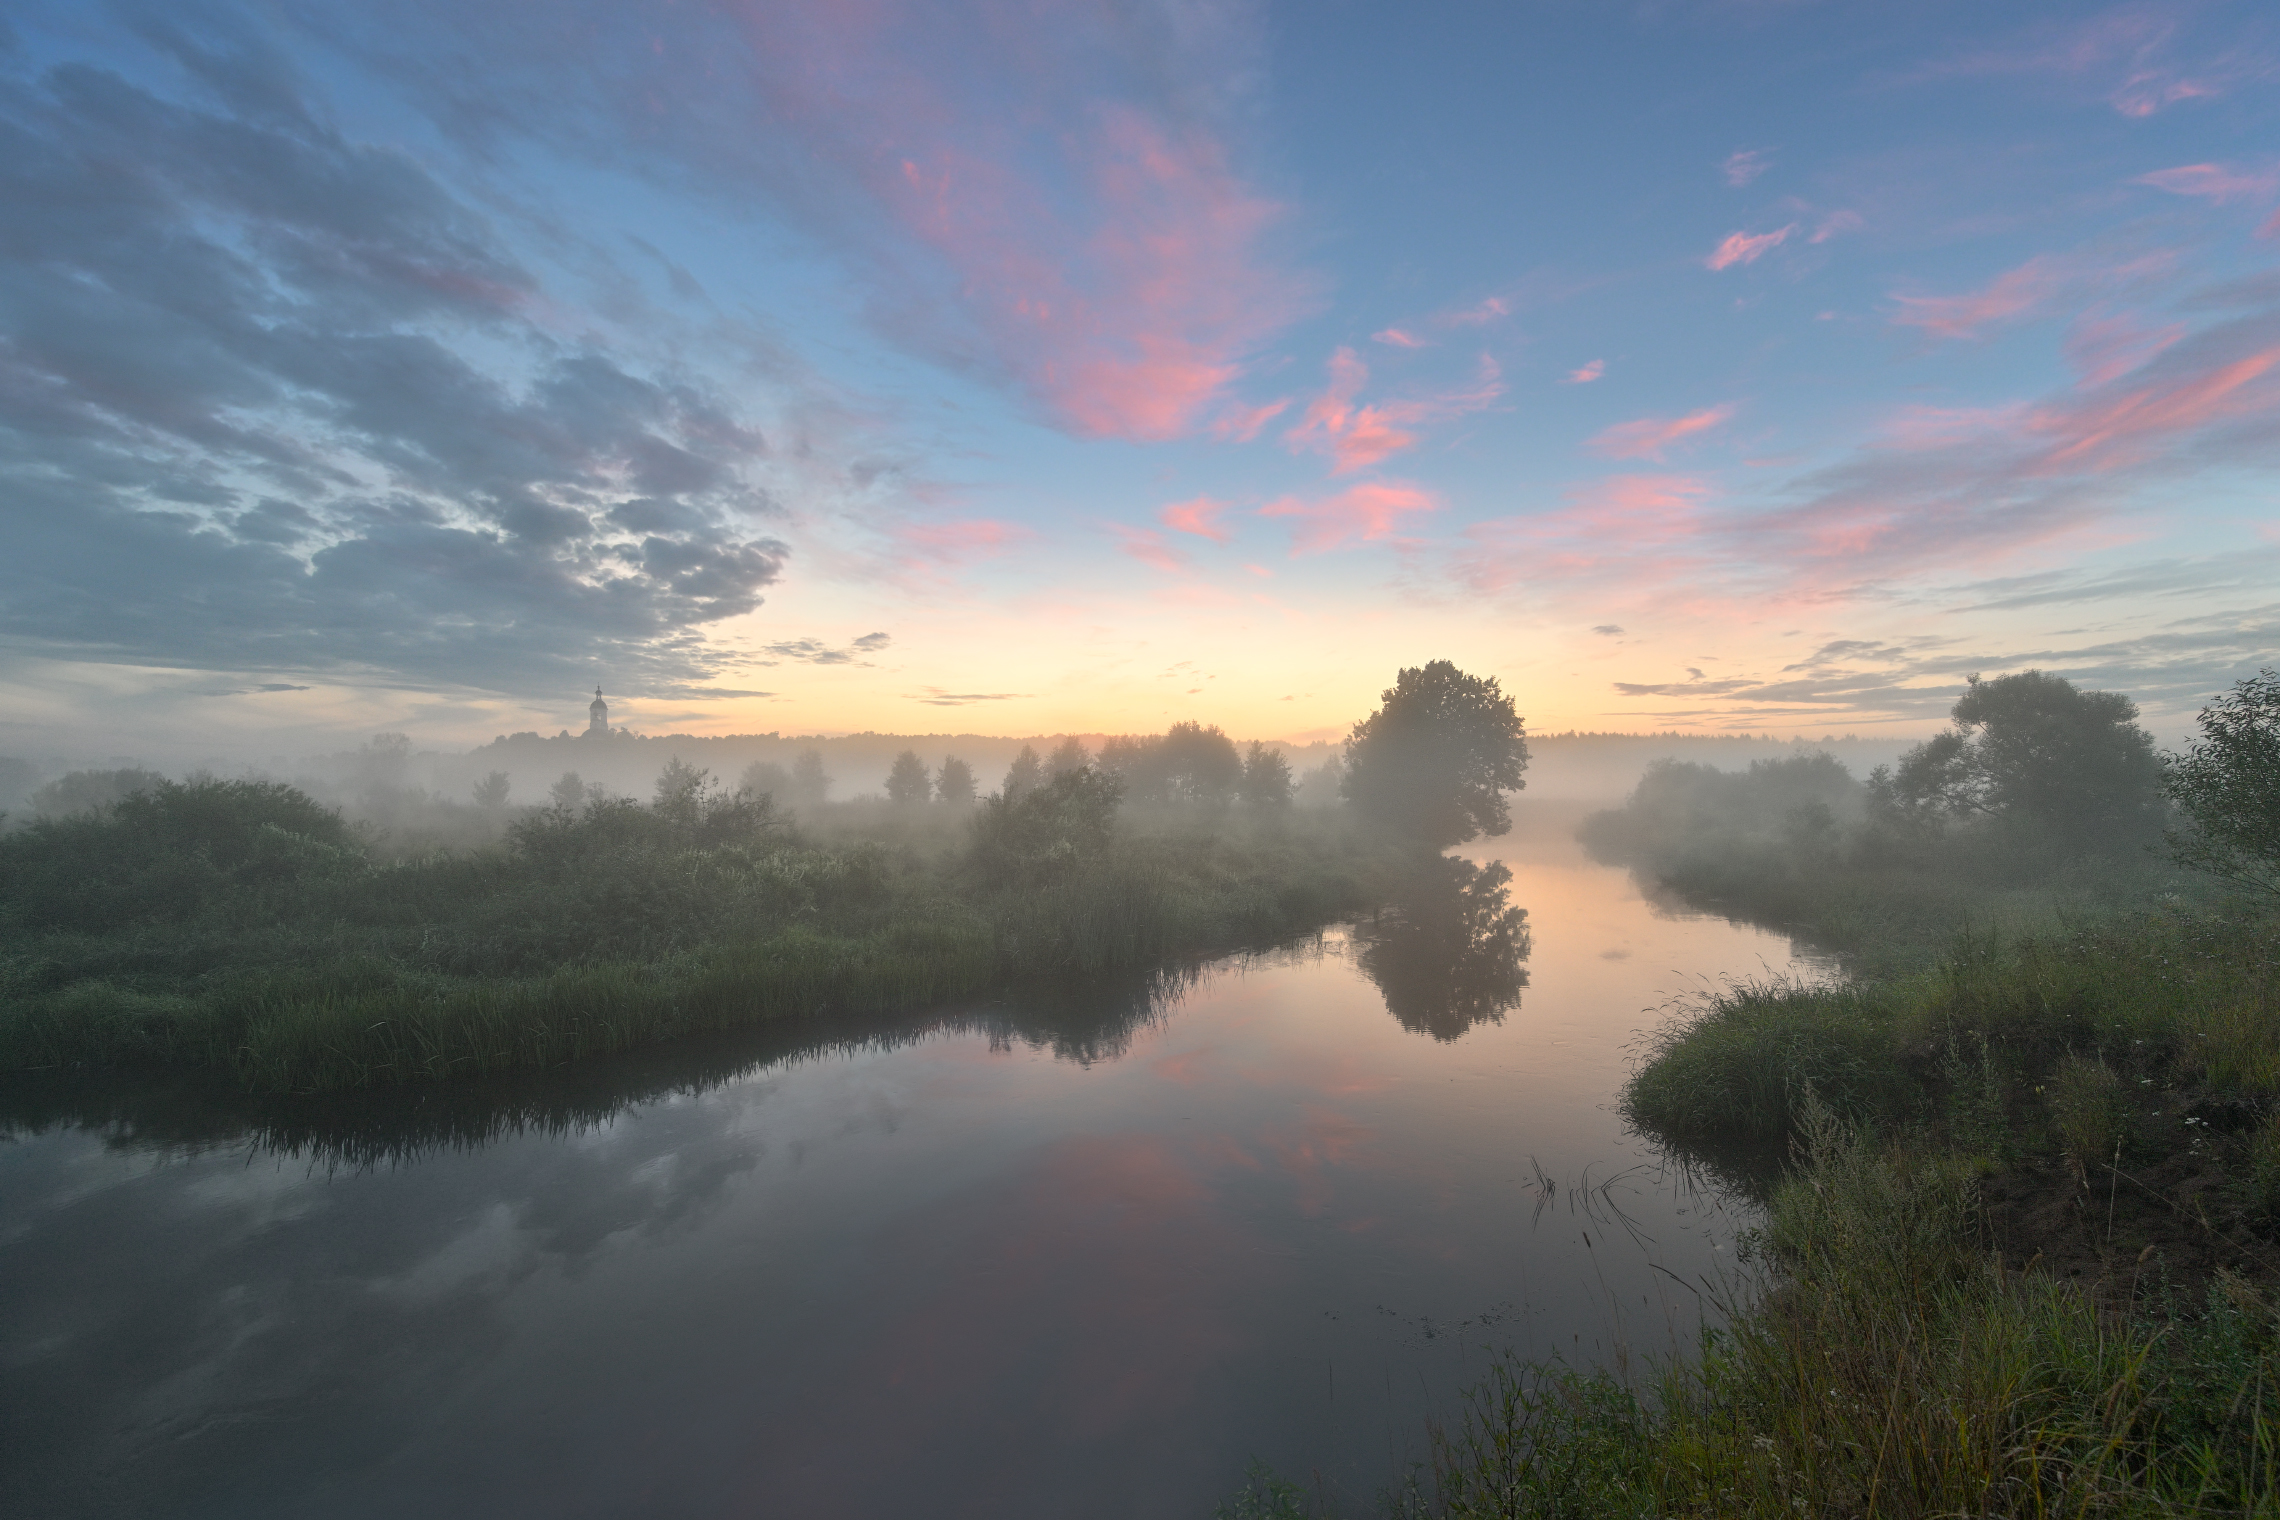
(1436,759)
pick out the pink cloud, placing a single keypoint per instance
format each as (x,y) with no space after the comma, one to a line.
(1241,424)
(953,543)
(1045,220)
(1199,516)
(2020,293)
(2213,182)
(2122,54)
(1587,374)
(2271,227)
(1649,436)
(2105,348)
(1494,309)
(1837,223)
(2127,429)
(1394,337)
(1370,511)
(1356,437)
(1741,168)
(2013,294)
(1746,247)
(1148,546)
(1637,525)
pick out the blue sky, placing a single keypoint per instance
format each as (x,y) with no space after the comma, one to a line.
(1034,367)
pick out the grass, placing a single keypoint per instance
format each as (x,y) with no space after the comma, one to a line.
(1894,1371)
(1892,1368)
(211,936)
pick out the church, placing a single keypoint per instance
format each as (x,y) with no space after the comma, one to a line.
(598,717)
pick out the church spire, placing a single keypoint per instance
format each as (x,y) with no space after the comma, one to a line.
(598,716)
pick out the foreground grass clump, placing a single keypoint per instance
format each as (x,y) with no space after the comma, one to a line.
(1893,1369)
(237,925)
(2077,1040)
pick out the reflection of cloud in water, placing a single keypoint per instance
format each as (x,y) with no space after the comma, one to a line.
(1447,952)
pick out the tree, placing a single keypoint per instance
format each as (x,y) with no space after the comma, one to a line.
(1199,764)
(811,788)
(1437,758)
(1266,783)
(765,778)
(2032,749)
(1069,755)
(954,783)
(2228,787)
(1023,777)
(680,797)
(907,785)
(491,791)
(569,794)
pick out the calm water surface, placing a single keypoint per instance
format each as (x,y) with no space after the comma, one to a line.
(1018,1261)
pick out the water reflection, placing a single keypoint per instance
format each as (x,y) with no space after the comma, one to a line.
(1447,952)
(1081,1022)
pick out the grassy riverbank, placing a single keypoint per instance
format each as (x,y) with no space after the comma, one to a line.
(239,926)
(2024,1262)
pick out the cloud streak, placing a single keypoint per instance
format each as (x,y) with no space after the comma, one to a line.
(1746,247)
(1649,437)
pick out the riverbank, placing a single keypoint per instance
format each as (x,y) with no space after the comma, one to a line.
(237,926)
(2024,1262)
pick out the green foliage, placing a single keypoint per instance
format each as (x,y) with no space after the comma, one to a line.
(2033,751)
(954,783)
(2090,1111)
(811,787)
(86,791)
(491,792)
(1264,1496)
(237,926)
(907,784)
(2228,787)
(1748,1062)
(1068,755)
(1049,830)
(166,853)
(1799,845)
(1435,760)
(1266,782)
(2263,1176)
(1892,1372)
(2186,1006)
(1022,777)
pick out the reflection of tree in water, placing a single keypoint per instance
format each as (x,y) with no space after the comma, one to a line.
(1083,1022)
(1447,951)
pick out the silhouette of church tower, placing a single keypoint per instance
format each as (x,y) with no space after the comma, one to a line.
(598,717)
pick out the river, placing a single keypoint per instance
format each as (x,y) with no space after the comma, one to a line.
(1090,1256)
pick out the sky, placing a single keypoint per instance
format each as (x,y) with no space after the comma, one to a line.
(1011,366)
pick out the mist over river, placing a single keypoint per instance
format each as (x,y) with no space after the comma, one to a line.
(1092,1256)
